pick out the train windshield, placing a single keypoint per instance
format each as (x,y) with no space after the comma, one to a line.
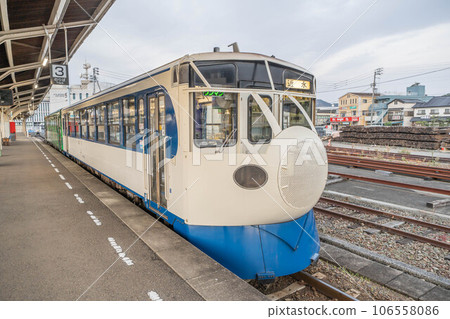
(251,74)
(217,75)
(292,116)
(259,130)
(215,119)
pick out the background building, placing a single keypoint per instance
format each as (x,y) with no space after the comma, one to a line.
(400,112)
(380,107)
(36,122)
(435,112)
(354,109)
(324,111)
(60,96)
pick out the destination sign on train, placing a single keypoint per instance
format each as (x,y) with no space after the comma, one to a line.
(298,84)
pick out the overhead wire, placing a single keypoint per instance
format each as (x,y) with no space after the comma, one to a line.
(388,81)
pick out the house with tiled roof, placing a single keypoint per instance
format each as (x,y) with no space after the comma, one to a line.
(400,111)
(435,112)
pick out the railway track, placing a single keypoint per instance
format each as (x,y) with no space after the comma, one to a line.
(303,279)
(387,155)
(392,183)
(402,168)
(389,229)
(323,287)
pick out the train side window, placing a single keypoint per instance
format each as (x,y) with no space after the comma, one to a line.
(64,128)
(67,120)
(84,123)
(100,114)
(215,120)
(129,121)
(183,74)
(175,74)
(77,124)
(72,124)
(141,117)
(113,123)
(259,130)
(91,123)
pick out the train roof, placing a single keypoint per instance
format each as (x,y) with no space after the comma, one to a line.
(211,56)
(207,56)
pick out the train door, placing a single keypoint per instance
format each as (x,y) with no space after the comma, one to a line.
(157,138)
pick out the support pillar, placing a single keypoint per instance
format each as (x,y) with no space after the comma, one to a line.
(24,126)
(4,123)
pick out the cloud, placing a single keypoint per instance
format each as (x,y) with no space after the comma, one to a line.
(417,47)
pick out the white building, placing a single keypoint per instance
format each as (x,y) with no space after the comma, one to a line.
(400,111)
(61,96)
(58,97)
(36,122)
(435,112)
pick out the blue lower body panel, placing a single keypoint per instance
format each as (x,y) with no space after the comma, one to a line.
(260,251)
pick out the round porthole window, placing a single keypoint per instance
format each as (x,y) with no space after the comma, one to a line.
(250,177)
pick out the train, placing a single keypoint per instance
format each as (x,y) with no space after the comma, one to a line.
(220,146)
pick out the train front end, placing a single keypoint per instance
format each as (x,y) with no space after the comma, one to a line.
(257,162)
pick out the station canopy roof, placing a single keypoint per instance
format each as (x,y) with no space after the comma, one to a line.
(28,28)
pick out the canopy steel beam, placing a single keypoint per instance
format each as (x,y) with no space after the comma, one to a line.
(58,12)
(5,25)
(35,32)
(23,67)
(31,97)
(12,86)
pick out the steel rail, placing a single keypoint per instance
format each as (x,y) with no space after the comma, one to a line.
(325,288)
(394,164)
(367,210)
(355,151)
(388,229)
(417,170)
(417,173)
(395,184)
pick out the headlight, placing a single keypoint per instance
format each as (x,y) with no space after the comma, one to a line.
(250,177)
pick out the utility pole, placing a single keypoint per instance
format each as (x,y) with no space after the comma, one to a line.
(95,73)
(378,71)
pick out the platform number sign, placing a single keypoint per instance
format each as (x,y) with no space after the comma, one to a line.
(60,74)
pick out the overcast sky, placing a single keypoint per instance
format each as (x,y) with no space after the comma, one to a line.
(405,37)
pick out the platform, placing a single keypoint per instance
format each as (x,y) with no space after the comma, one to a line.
(67,236)
(389,194)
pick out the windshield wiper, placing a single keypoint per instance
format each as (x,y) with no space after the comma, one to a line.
(226,141)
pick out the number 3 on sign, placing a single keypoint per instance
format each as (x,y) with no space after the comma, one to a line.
(59,71)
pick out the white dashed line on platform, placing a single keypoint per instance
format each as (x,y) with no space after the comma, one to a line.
(62,177)
(94,219)
(79,199)
(56,170)
(69,186)
(120,252)
(53,165)
(153,295)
